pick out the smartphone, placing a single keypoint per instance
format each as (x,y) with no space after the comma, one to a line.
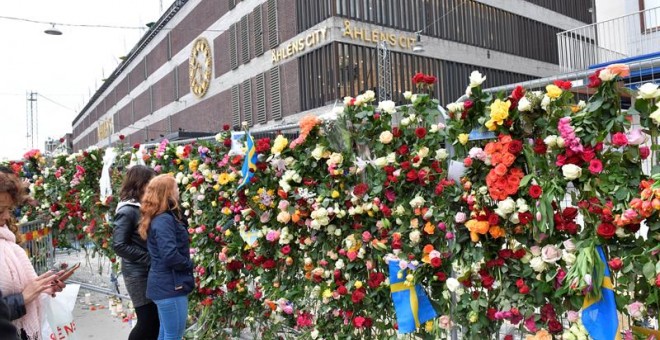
(70,270)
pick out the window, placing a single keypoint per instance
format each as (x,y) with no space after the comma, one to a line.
(650,18)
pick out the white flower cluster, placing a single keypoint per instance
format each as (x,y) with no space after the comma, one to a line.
(288,177)
(576,332)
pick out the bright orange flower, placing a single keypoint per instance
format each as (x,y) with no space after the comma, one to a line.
(496,232)
(428,248)
(429,228)
(508,159)
(500,170)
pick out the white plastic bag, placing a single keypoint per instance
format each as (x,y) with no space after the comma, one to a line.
(59,323)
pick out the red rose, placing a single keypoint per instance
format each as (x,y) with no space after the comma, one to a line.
(136,146)
(520,253)
(405,165)
(524,290)
(490,313)
(657,280)
(644,152)
(606,230)
(539,147)
(518,93)
(358,322)
(360,189)
(396,132)
(525,217)
(555,326)
(563,84)
(420,132)
(411,176)
(418,78)
(619,139)
(375,279)
(403,149)
(357,296)
(493,219)
(226,142)
(342,290)
(487,281)
(263,145)
(520,283)
(506,253)
(515,147)
(594,80)
(286,249)
(226,127)
(615,263)
(535,191)
(441,276)
(508,337)
(430,80)
(467,162)
(122,137)
(268,264)
(468,104)
(436,262)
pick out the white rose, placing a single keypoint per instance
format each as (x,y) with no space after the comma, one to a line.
(434,128)
(569,258)
(380,162)
(347,100)
(468,91)
(369,96)
(314,334)
(550,254)
(655,115)
(648,91)
(515,219)
(545,102)
(407,95)
(359,100)
(582,104)
(571,171)
(538,264)
(522,205)
(417,202)
(606,75)
(506,207)
(441,154)
(524,105)
(317,153)
(560,142)
(339,264)
(335,158)
(415,236)
(452,284)
(413,98)
(570,246)
(387,106)
(455,107)
(386,137)
(423,152)
(550,141)
(476,79)
(405,121)
(391,157)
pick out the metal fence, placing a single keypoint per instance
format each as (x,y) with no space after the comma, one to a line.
(39,245)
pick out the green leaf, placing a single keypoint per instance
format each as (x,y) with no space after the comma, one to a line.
(525,180)
(649,271)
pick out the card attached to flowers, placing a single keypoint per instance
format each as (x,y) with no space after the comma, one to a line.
(481,134)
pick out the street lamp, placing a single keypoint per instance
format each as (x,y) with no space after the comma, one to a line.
(418,44)
(53,31)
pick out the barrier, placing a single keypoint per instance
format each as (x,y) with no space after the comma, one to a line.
(39,245)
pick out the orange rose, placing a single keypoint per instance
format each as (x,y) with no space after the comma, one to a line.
(474,237)
(428,248)
(621,70)
(429,228)
(500,169)
(480,227)
(496,232)
(508,159)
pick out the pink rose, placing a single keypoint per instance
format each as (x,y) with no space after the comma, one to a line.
(535,250)
(573,316)
(636,137)
(550,254)
(619,139)
(366,236)
(636,310)
(595,166)
(460,217)
(444,322)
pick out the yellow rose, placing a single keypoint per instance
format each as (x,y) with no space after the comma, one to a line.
(335,194)
(553,91)
(428,326)
(490,125)
(463,138)
(223,178)
(279,144)
(358,284)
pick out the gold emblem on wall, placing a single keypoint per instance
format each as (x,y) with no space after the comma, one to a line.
(201,67)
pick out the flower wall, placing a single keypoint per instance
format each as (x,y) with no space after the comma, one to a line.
(496,210)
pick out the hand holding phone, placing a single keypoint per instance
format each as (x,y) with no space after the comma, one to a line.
(63,276)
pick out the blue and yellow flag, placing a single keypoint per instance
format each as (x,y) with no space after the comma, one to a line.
(599,316)
(250,161)
(411,304)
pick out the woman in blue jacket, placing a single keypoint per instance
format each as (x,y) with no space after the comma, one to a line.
(170,277)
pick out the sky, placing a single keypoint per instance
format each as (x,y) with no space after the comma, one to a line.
(64,70)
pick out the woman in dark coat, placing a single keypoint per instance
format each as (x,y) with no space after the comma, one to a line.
(132,249)
(170,276)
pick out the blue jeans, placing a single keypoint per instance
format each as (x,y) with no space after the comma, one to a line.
(173,313)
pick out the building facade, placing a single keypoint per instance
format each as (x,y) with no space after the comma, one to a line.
(207,63)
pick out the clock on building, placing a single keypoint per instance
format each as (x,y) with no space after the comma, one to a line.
(201,67)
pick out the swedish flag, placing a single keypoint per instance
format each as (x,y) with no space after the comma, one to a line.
(250,161)
(411,304)
(599,316)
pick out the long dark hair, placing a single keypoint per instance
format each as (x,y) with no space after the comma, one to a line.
(136,180)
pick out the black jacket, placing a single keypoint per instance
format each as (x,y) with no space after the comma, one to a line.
(127,243)
(7,330)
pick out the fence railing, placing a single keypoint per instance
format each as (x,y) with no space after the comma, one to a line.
(39,245)
(630,35)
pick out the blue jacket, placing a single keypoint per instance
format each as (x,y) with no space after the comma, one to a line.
(170,274)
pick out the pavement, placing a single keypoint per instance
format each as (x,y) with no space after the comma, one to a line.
(92,314)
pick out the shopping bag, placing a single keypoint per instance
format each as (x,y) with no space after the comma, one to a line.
(59,323)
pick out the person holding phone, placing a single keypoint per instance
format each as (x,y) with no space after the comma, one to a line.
(20,286)
(170,277)
(132,249)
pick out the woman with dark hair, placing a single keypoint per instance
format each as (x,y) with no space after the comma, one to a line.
(170,276)
(132,249)
(20,286)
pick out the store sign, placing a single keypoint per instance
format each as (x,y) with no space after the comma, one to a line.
(376,36)
(297,46)
(105,129)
